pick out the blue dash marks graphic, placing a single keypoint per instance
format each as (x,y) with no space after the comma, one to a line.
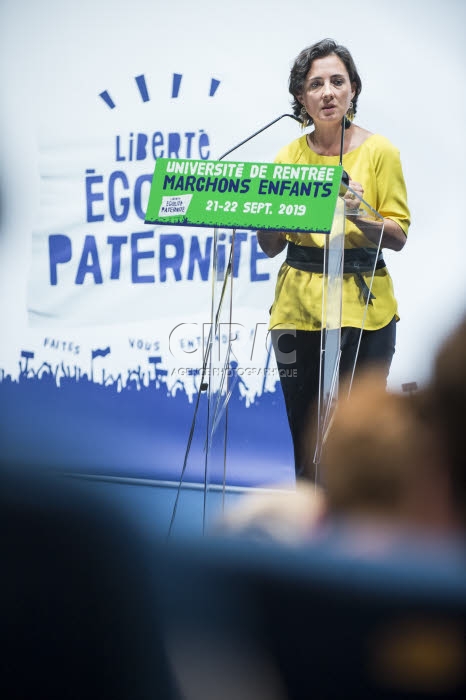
(141,83)
(107,99)
(213,87)
(176,84)
(144,92)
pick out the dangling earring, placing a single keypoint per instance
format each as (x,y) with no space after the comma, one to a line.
(350,112)
(304,117)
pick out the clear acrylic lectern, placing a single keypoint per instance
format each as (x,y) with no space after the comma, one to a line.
(219,357)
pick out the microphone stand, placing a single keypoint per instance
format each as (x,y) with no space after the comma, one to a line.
(256,133)
(203,385)
(345,176)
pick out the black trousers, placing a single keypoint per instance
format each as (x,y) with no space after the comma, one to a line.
(298,357)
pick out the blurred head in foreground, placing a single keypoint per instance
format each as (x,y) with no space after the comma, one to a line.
(390,460)
(442,408)
(382,462)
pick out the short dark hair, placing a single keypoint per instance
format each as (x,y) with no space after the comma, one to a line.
(303,64)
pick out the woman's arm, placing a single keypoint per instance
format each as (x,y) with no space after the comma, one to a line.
(393,236)
(271,242)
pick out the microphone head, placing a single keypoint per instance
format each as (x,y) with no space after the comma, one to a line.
(344,183)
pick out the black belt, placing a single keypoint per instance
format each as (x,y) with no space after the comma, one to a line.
(355,261)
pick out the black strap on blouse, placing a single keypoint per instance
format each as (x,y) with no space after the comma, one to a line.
(355,262)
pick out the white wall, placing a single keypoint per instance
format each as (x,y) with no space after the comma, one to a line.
(55,53)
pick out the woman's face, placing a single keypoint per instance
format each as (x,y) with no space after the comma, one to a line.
(327,90)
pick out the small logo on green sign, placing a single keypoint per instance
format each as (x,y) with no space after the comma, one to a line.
(272,196)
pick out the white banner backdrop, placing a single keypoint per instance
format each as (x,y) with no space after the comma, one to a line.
(103,316)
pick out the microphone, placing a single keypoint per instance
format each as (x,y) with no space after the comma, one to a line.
(345,178)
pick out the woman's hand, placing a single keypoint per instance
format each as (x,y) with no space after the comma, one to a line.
(351,200)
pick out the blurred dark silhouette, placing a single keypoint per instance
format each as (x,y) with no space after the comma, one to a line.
(264,621)
(77,603)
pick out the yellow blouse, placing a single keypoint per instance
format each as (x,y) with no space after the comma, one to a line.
(298,295)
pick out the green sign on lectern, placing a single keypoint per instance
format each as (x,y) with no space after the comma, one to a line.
(272,196)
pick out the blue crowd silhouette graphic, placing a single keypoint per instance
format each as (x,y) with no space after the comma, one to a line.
(132,425)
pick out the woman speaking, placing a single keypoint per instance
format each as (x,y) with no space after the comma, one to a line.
(325,86)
